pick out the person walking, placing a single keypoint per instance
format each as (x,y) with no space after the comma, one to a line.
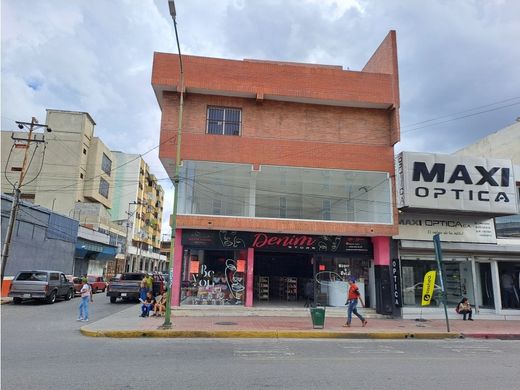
(86,297)
(352,300)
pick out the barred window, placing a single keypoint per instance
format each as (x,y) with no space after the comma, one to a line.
(223,120)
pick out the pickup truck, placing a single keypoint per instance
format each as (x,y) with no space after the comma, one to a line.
(127,286)
(41,284)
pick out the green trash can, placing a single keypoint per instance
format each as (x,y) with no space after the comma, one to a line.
(318,317)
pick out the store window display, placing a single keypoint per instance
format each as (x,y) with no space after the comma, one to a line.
(213,277)
(458,282)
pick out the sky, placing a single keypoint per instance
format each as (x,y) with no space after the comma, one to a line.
(458,60)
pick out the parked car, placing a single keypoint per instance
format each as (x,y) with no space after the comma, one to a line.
(97,283)
(41,284)
(78,283)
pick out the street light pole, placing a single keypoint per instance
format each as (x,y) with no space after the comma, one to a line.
(167,316)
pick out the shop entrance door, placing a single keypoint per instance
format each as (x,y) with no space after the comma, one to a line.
(282,278)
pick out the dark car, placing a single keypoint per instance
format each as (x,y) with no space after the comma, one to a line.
(41,284)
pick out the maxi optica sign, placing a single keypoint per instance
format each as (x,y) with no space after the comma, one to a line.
(462,183)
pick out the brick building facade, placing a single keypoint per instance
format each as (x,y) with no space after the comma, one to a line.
(298,157)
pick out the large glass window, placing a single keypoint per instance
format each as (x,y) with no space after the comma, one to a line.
(285,192)
(457,277)
(104,187)
(213,277)
(106,164)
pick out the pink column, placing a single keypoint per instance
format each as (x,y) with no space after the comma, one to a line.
(381,250)
(249,279)
(177,268)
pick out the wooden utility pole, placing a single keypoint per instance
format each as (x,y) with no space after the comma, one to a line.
(26,143)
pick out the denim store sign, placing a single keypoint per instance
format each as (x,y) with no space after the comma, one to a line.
(235,240)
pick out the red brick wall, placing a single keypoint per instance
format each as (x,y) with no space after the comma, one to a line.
(286,226)
(280,133)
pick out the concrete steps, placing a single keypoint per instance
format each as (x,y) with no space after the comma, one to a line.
(266,311)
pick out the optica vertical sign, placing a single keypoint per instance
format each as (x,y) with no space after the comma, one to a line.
(396,283)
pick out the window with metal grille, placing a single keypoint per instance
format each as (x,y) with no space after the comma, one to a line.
(224,121)
(103,187)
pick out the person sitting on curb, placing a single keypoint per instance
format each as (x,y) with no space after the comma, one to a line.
(147,304)
(160,306)
(464,308)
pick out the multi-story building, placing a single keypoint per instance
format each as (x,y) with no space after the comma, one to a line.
(138,202)
(286,178)
(74,174)
(472,200)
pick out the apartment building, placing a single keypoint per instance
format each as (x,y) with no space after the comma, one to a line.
(139,202)
(286,178)
(74,174)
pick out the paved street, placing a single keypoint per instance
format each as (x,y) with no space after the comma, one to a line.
(43,349)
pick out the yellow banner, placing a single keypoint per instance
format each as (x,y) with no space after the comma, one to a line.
(428,287)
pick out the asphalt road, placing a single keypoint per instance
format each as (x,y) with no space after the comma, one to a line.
(43,349)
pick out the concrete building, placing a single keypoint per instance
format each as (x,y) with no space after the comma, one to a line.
(75,175)
(286,179)
(475,209)
(139,202)
(42,239)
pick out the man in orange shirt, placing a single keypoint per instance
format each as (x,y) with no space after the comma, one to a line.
(352,300)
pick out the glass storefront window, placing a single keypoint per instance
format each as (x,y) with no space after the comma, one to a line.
(458,282)
(285,192)
(332,273)
(212,277)
(509,284)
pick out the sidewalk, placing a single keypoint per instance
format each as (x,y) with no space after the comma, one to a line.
(128,324)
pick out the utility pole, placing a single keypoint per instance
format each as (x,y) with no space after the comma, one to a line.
(129,215)
(26,144)
(167,315)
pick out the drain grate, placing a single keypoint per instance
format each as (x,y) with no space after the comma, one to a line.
(226,323)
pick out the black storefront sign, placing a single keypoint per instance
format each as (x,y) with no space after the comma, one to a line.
(396,283)
(225,239)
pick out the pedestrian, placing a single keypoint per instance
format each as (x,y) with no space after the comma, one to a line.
(464,308)
(147,304)
(86,297)
(149,283)
(352,300)
(160,306)
(143,289)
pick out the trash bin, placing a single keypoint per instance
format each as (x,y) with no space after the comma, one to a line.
(318,317)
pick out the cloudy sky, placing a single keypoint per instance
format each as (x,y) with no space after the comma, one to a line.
(458,60)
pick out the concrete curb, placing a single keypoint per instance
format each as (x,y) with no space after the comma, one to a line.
(272,334)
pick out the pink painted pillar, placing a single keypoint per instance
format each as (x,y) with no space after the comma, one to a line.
(177,268)
(249,279)
(381,250)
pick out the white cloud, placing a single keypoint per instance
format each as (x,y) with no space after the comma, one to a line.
(96,56)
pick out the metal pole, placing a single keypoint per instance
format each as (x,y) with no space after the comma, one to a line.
(438,256)
(167,316)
